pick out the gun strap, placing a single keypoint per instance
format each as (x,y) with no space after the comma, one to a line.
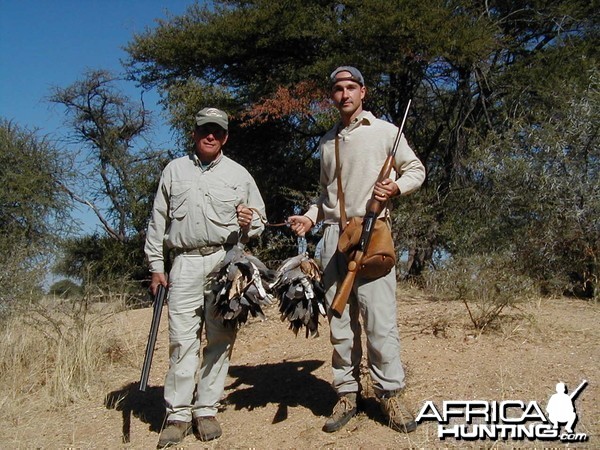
(340,191)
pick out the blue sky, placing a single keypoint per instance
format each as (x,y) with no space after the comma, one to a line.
(48,43)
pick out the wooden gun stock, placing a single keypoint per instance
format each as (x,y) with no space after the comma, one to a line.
(374,208)
(343,291)
(159,300)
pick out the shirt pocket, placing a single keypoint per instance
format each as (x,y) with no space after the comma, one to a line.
(223,200)
(179,202)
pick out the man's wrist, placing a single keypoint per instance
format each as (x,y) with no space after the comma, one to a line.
(312,222)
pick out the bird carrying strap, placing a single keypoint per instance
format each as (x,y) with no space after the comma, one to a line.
(264,220)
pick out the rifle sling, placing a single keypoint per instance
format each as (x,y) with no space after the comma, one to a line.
(340,191)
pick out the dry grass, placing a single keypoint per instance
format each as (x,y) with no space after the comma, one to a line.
(52,353)
(68,375)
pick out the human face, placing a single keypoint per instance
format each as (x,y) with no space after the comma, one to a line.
(209,139)
(348,96)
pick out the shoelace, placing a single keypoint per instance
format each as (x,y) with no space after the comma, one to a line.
(344,404)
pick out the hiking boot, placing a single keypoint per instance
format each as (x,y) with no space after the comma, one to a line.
(343,411)
(207,428)
(399,417)
(173,433)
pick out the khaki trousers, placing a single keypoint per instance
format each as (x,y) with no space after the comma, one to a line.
(190,299)
(375,302)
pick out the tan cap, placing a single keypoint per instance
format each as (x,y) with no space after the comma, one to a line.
(212,115)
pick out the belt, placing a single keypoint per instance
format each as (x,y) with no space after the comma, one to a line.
(384,218)
(199,251)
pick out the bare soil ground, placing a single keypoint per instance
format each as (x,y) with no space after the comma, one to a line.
(278,391)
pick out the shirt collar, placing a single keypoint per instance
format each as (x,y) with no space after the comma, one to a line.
(364,118)
(209,166)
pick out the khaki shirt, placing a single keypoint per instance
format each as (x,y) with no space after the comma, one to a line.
(364,146)
(195,207)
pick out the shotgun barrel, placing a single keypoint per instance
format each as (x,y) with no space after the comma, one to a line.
(159,300)
(578,390)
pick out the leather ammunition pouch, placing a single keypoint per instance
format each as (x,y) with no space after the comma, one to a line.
(380,256)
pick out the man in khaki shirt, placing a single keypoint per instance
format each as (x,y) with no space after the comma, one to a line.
(202,207)
(364,144)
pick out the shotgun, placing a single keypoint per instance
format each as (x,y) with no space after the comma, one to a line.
(374,208)
(576,392)
(159,300)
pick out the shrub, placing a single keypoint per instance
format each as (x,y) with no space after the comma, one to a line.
(65,289)
(486,284)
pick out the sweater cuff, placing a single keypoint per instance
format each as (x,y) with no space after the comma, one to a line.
(402,187)
(312,213)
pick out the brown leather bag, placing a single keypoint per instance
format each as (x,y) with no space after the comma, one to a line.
(380,256)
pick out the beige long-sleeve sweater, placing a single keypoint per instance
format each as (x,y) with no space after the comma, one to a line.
(364,147)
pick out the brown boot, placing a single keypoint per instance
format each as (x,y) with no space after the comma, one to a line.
(343,411)
(207,428)
(173,433)
(399,417)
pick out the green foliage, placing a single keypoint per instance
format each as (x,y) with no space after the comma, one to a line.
(483,76)
(34,210)
(99,259)
(541,187)
(117,180)
(116,171)
(32,170)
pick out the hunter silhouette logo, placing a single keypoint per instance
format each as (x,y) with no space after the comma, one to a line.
(507,419)
(561,406)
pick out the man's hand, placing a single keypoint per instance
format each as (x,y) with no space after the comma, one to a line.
(300,224)
(385,190)
(244,217)
(157,278)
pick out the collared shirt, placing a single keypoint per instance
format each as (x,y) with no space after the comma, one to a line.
(195,206)
(364,146)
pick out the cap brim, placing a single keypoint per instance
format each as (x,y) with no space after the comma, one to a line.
(334,81)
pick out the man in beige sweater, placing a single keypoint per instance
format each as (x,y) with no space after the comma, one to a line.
(364,144)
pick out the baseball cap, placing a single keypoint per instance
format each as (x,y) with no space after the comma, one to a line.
(212,115)
(355,75)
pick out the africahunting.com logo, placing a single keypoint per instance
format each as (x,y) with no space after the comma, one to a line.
(509,419)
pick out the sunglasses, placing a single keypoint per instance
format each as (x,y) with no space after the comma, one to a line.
(214,129)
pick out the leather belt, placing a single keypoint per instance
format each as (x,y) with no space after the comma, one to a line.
(200,251)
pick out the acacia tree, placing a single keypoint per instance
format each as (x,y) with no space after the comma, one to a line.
(272,60)
(471,68)
(34,209)
(539,191)
(116,179)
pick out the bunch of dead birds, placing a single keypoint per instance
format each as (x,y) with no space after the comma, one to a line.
(243,286)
